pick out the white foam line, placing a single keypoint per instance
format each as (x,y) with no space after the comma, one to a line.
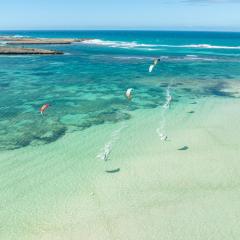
(131,57)
(116,44)
(161,129)
(168,99)
(207,46)
(150,47)
(106,151)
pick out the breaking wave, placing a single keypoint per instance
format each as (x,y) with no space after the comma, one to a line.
(20,36)
(210,46)
(206,46)
(151,47)
(116,44)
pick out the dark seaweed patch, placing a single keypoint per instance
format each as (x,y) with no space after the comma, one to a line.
(178,84)
(112,116)
(85,125)
(15,142)
(97,121)
(150,105)
(164,84)
(217,90)
(187,89)
(133,107)
(20,143)
(4,85)
(55,135)
(42,73)
(228,76)
(9,113)
(155,90)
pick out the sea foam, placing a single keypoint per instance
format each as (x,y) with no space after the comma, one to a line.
(206,46)
(152,47)
(120,44)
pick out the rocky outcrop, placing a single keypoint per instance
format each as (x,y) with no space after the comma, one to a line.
(8,40)
(24,41)
(17,50)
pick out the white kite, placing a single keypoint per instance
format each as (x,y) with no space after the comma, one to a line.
(155,62)
(151,68)
(128,93)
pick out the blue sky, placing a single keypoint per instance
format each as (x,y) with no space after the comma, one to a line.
(120,14)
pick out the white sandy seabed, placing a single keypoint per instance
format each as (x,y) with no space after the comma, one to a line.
(62,190)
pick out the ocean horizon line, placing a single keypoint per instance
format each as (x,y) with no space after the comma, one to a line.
(119,30)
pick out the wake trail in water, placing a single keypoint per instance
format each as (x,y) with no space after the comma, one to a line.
(161,130)
(107,149)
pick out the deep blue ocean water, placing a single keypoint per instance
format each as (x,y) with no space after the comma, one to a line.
(86,85)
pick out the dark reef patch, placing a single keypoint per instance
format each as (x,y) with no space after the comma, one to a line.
(85,125)
(4,85)
(164,85)
(112,116)
(178,84)
(53,135)
(217,90)
(187,89)
(20,143)
(96,121)
(42,73)
(150,105)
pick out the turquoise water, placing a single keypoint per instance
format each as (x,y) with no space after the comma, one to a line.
(85,86)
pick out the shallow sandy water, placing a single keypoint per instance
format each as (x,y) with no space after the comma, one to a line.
(61,190)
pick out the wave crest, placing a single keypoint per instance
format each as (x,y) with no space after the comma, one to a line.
(210,46)
(120,44)
(202,46)
(151,47)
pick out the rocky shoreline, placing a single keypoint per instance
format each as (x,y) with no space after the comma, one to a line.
(32,41)
(18,41)
(20,50)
